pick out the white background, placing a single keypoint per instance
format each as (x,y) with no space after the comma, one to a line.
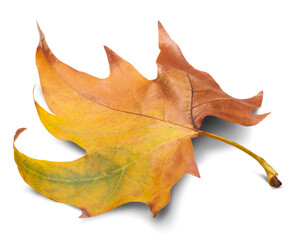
(244,45)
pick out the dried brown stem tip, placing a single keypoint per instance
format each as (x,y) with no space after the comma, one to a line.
(275,182)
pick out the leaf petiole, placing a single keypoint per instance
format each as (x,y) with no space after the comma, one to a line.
(271,173)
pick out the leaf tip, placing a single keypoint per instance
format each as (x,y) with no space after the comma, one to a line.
(154,211)
(193,169)
(155,207)
(42,42)
(84,214)
(18,132)
(35,102)
(111,56)
(160,25)
(41,34)
(262,116)
(163,35)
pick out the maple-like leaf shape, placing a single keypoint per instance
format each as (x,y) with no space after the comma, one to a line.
(136,132)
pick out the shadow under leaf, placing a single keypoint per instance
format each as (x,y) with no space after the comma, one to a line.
(203,145)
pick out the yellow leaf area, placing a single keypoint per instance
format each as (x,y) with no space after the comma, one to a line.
(130,157)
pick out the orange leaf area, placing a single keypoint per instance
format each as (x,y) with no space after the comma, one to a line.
(136,132)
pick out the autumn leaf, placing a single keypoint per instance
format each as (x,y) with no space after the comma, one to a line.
(136,132)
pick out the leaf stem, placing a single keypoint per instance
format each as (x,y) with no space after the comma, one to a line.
(271,173)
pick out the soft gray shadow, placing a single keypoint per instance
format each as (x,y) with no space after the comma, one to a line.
(176,194)
(263,176)
(137,208)
(203,145)
(255,111)
(75,147)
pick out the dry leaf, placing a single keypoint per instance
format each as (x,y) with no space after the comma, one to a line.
(136,132)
